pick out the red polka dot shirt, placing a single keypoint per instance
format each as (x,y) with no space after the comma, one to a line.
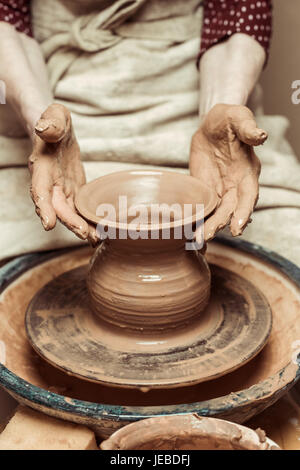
(17,13)
(222,18)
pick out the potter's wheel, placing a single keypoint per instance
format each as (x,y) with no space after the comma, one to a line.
(233,329)
(236,396)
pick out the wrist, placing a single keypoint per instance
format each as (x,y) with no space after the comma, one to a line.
(229,71)
(238,96)
(31,113)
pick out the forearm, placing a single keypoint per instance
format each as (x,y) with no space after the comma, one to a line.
(23,70)
(229,71)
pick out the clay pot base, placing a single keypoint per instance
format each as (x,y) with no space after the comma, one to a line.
(232,330)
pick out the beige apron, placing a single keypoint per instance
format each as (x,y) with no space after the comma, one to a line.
(127,74)
(126,70)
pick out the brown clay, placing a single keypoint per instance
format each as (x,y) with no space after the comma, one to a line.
(148,287)
(147,283)
(282,421)
(188,432)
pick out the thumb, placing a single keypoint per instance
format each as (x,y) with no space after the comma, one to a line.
(53,124)
(244,125)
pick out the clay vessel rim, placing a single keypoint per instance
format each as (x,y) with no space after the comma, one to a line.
(188,425)
(92,217)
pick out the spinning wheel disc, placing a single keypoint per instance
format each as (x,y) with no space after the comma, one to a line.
(230,331)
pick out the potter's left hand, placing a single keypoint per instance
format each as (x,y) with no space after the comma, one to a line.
(57,172)
(222,156)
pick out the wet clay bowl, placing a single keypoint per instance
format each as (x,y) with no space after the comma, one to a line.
(188,432)
(142,277)
(237,396)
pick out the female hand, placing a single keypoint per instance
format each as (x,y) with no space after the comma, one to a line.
(222,156)
(57,172)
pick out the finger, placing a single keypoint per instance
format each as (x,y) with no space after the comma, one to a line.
(53,124)
(203,163)
(41,193)
(250,134)
(222,215)
(247,199)
(244,125)
(92,236)
(66,214)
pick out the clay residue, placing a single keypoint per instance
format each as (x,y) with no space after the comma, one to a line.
(261,434)
(281,421)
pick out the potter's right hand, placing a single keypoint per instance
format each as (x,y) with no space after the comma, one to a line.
(222,156)
(57,172)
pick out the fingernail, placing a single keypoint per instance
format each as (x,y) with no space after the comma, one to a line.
(81,233)
(45,222)
(42,126)
(236,233)
(262,134)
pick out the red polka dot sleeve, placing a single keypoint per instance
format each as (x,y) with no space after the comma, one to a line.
(17,13)
(223,18)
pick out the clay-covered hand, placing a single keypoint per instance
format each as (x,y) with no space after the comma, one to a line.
(222,156)
(57,172)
